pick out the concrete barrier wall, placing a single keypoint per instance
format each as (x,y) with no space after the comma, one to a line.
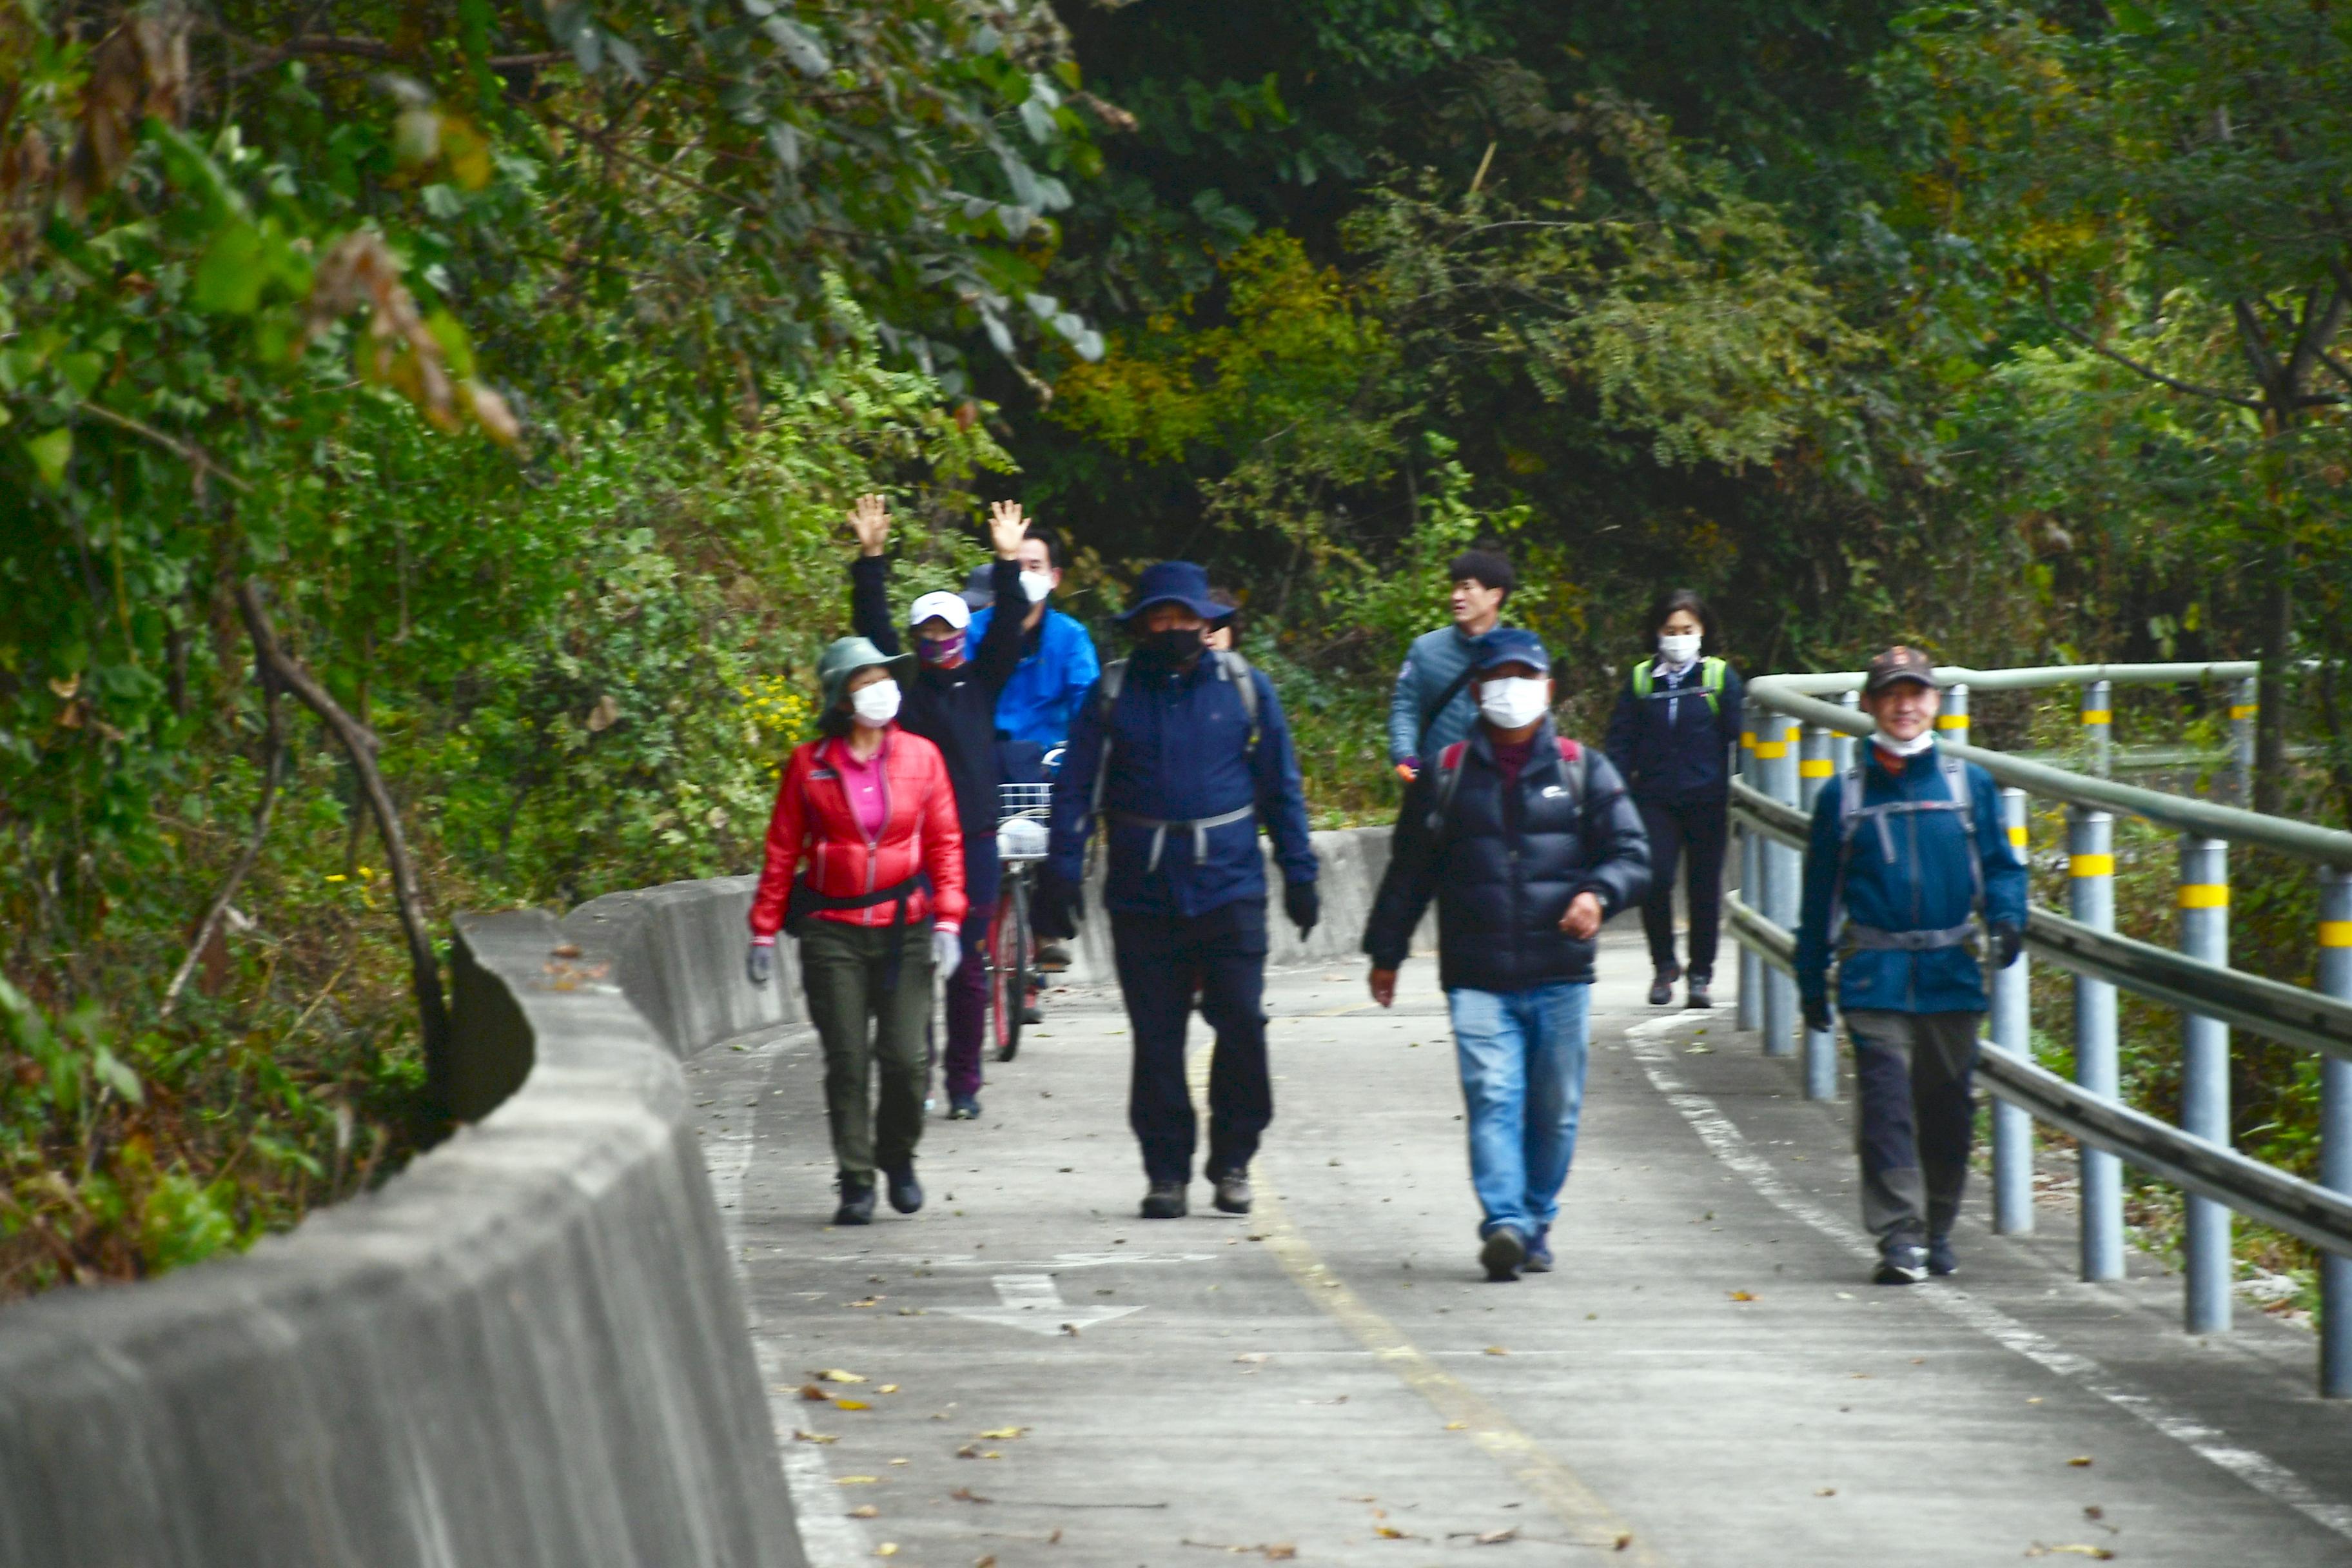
(526,1351)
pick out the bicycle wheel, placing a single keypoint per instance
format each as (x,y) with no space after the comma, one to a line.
(998,930)
(1010,978)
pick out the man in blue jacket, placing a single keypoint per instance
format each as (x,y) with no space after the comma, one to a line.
(1057,658)
(1527,842)
(1430,707)
(1183,753)
(1908,852)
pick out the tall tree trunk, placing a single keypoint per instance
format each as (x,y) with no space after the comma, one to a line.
(2269,722)
(361,744)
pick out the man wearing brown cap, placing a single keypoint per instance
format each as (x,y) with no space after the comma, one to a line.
(1909,869)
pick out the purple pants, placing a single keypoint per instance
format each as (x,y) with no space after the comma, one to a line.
(966,1005)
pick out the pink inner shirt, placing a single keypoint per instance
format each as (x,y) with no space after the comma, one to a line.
(862,782)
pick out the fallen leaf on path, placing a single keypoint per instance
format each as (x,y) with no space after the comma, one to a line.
(1004,1434)
(965,1494)
(1496,1350)
(2093,1510)
(1497,1537)
(888,1549)
(901,1461)
(814,1394)
(888,1388)
(1624,1539)
(835,1375)
(1457,1426)
(1825,1491)
(851,1405)
(1742,1295)
(1055,1539)
(2070,1549)
(801,1436)
(865,1510)
(988,1562)
(2081,1461)
(858,1481)
(1252,1356)
(869,1302)
(1389,1532)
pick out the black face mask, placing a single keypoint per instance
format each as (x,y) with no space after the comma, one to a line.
(1171,649)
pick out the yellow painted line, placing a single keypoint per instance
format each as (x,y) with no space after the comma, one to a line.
(2017,837)
(2245,711)
(2098,716)
(2090,865)
(2204,895)
(2336,934)
(1816,768)
(1560,1489)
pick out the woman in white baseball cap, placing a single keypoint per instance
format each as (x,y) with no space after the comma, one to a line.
(952,702)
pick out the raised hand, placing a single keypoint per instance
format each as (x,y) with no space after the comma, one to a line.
(870,520)
(1005,528)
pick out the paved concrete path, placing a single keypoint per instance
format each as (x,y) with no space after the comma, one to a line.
(1707,1380)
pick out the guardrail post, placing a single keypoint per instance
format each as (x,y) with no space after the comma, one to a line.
(1841,743)
(1783,871)
(2205,1080)
(2091,867)
(2099,725)
(1952,723)
(2012,1031)
(2335,1136)
(2242,714)
(1814,769)
(1751,877)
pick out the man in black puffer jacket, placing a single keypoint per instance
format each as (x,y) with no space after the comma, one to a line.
(1529,842)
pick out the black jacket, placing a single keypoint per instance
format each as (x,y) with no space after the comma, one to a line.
(1675,751)
(1504,865)
(955,709)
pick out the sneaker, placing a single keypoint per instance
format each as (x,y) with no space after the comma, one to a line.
(963,1108)
(1166,1200)
(1505,1252)
(1901,1265)
(1053,957)
(1942,1258)
(1233,1193)
(857,1203)
(1539,1260)
(1030,1014)
(1696,995)
(906,1193)
(1662,988)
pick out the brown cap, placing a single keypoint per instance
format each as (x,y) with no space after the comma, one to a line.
(1899,663)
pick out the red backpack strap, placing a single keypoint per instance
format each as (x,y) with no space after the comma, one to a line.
(1568,750)
(1452,756)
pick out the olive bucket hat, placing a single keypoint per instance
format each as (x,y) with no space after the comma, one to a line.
(847,657)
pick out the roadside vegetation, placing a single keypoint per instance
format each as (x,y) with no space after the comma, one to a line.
(424,438)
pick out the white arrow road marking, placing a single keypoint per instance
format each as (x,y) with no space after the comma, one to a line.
(1033,1302)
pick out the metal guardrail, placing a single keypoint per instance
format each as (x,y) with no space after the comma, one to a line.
(1792,747)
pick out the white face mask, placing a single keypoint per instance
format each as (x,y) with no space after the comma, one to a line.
(1910,748)
(1036,584)
(1514,703)
(1678,648)
(876,705)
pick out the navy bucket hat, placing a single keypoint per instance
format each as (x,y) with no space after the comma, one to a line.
(1175,582)
(1511,645)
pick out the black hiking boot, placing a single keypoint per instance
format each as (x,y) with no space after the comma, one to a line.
(1941,1260)
(1233,1191)
(1166,1200)
(857,1203)
(1696,995)
(906,1193)
(1506,1250)
(1662,985)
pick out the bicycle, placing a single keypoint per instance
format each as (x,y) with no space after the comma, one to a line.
(1020,815)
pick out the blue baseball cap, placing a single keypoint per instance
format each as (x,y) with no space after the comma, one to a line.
(1175,582)
(1510,644)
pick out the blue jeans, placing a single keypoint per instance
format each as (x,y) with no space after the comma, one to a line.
(1522,1058)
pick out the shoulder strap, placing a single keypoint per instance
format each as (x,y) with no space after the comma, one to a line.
(1449,779)
(1644,675)
(1106,689)
(1237,669)
(1575,771)
(1444,701)
(1956,779)
(1710,679)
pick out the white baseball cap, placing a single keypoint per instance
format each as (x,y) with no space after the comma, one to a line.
(948,607)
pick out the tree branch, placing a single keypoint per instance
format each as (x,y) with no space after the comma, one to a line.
(273,769)
(2050,308)
(361,744)
(187,452)
(2319,329)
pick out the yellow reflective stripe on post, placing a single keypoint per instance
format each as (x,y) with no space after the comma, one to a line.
(2090,865)
(2245,711)
(1747,739)
(1816,768)
(1770,748)
(1951,720)
(2204,895)
(2336,934)
(2098,715)
(2017,837)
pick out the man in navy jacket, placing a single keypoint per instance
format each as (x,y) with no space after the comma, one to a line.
(1185,753)
(1907,850)
(1527,842)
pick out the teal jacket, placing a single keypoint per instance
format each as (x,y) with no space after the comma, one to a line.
(1431,666)
(1925,887)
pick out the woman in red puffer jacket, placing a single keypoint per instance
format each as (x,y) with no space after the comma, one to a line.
(868,810)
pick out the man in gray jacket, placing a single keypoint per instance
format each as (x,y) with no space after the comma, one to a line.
(1431,707)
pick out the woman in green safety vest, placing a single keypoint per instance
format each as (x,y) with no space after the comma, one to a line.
(1671,738)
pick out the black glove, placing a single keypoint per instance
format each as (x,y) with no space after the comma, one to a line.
(759,963)
(2007,942)
(1303,904)
(1055,913)
(1817,1016)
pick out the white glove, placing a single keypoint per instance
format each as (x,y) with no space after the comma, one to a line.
(947,951)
